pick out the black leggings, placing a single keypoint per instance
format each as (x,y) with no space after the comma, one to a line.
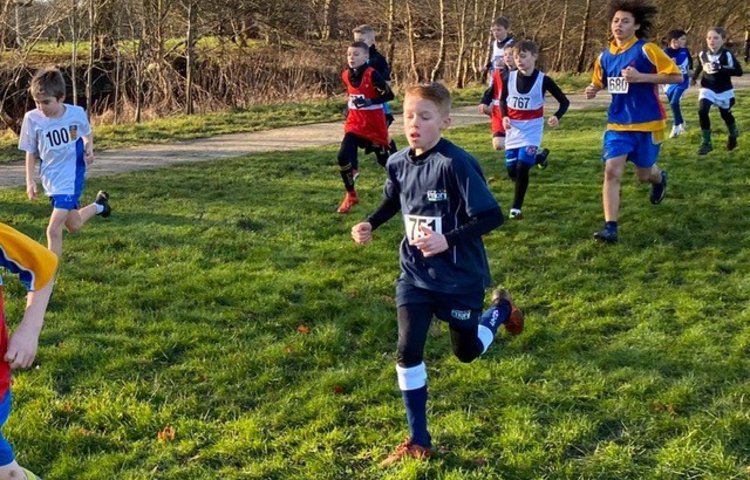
(413,325)
(350,144)
(705,105)
(519,173)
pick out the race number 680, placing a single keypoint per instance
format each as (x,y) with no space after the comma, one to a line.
(617,85)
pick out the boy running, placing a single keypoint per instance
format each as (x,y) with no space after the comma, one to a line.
(365,125)
(630,69)
(60,137)
(681,57)
(446,207)
(522,107)
(35,267)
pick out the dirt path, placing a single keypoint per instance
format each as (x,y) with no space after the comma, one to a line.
(144,157)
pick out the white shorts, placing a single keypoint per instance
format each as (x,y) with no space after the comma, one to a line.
(721,100)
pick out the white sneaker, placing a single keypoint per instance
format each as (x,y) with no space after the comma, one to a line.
(677,130)
(515,214)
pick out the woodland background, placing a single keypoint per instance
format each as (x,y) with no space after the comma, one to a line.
(131,60)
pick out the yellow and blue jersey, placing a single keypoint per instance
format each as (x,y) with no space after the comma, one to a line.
(635,107)
(34,264)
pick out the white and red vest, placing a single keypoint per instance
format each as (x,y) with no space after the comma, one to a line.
(526,113)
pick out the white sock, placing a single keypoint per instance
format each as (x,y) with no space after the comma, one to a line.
(485,336)
(99,208)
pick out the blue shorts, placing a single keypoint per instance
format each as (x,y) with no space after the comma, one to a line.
(6,451)
(521,154)
(638,146)
(459,310)
(65,202)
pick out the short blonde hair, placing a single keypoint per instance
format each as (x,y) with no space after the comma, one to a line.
(48,82)
(365,29)
(434,92)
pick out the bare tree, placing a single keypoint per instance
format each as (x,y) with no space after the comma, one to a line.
(437,70)
(581,64)
(561,40)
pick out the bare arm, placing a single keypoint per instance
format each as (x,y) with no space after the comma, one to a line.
(23,343)
(88,148)
(31,159)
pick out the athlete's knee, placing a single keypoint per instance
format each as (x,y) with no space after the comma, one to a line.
(407,356)
(465,355)
(612,174)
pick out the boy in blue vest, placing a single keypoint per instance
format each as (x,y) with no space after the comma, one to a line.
(631,68)
(678,52)
(446,207)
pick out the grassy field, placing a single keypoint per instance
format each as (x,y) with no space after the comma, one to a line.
(222,324)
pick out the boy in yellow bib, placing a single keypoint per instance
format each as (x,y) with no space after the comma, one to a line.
(631,68)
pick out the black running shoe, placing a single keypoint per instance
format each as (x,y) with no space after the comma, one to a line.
(102,198)
(607,235)
(659,190)
(731,142)
(705,148)
(541,158)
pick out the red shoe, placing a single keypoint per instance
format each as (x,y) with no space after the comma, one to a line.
(514,324)
(350,199)
(407,449)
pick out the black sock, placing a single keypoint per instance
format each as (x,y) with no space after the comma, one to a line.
(522,184)
(610,226)
(346,176)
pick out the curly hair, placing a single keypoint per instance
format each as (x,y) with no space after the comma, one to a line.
(642,10)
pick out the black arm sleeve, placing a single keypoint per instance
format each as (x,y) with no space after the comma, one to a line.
(479,225)
(690,61)
(504,95)
(487,96)
(550,86)
(385,94)
(387,209)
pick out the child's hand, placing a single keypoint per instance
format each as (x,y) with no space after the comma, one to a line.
(553,121)
(631,75)
(506,123)
(88,156)
(362,233)
(431,243)
(31,190)
(360,102)
(591,90)
(22,347)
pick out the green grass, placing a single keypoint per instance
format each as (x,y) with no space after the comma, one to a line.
(183,310)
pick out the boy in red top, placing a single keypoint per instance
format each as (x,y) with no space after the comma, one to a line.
(35,267)
(365,125)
